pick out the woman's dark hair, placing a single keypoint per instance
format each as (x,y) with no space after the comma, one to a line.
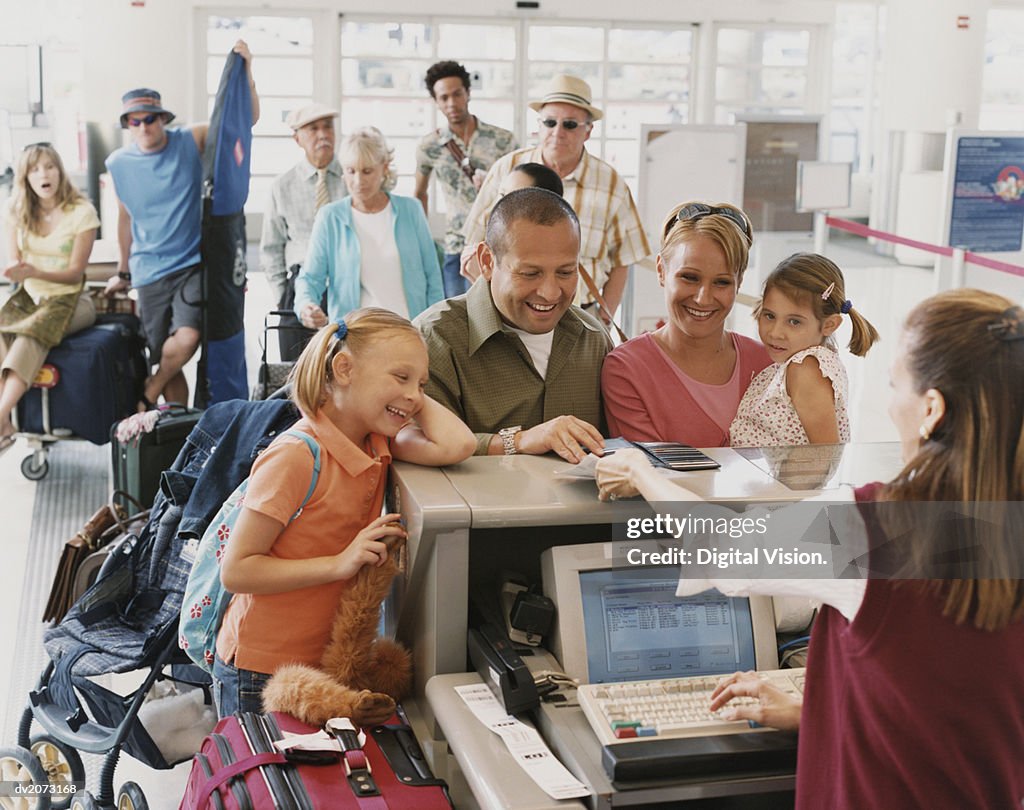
(541,177)
(445,70)
(968,345)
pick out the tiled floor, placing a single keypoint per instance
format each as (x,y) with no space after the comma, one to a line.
(882,290)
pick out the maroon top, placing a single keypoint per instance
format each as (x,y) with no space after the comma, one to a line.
(904,708)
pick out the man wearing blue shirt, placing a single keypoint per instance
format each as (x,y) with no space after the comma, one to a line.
(158,180)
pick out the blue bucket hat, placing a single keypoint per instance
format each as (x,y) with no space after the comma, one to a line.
(142,100)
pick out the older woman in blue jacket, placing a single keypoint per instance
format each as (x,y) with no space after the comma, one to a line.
(372,248)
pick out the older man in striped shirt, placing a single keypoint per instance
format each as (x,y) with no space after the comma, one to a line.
(612,237)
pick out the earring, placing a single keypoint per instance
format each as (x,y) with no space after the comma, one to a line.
(925,433)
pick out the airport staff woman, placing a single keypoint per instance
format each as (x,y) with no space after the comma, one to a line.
(372,248)
(684,381)
(913,694)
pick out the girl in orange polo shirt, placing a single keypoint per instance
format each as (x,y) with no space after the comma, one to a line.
(359,384)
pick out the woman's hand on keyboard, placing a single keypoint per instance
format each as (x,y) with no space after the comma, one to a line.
(773,708)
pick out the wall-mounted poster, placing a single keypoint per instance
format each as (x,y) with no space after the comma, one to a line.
(775,144)
(988,193)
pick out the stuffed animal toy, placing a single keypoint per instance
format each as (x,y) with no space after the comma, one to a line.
(360,676)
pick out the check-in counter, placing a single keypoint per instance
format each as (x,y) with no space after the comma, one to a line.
(470,521)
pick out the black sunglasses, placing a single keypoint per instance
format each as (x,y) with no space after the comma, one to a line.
(40,144)
(696,211)
(569,123)
(147,120)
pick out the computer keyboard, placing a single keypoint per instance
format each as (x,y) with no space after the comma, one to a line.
(672,707)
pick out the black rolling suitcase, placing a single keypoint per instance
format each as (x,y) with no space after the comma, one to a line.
(138,462)
(273,375)
(96,380)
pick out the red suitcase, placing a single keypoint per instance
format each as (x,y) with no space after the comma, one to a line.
(239,767)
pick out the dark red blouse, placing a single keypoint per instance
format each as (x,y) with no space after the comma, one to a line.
(905,709)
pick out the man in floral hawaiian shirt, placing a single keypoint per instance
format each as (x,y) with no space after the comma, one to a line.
(478,142)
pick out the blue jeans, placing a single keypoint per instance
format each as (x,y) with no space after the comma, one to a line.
(237,690)
(454,282)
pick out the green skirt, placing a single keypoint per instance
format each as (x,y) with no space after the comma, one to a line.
(45,321)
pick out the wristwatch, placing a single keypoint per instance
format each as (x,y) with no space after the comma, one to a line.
(508,439)
(124,276)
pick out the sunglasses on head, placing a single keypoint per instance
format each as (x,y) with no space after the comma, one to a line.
(146,119)
(40,144)
(568,123)
(696,211)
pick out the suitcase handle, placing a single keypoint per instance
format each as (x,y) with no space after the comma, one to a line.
(357,766)
(230,772)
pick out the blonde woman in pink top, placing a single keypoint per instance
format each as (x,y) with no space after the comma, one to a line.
(684,381)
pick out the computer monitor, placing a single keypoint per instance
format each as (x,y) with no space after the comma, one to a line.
(625,623)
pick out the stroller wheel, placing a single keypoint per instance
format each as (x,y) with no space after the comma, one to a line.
(84,801)
(131,797)
(19,765)
(62,764)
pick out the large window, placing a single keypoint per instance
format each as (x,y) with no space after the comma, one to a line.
(382,68)
(637,74)
(1002,96)
(762,70)
(856,69)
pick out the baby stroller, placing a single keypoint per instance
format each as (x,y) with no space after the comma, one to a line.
(128,621)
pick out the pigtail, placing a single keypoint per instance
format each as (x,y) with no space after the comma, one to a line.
(864,335)
(312,373)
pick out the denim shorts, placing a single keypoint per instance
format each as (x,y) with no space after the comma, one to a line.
(237,690)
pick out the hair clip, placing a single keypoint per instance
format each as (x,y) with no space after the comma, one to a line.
(1010,326)
(342,329)
(846,306)
(828,291)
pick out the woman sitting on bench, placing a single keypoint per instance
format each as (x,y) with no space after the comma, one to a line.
(50,230)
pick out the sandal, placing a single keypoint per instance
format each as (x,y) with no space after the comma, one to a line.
(6,443)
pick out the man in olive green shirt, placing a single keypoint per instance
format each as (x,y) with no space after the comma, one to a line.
(513,357)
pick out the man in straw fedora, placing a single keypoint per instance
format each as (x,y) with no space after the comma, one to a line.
(612,237)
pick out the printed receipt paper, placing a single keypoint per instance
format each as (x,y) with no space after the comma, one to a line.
(524,743)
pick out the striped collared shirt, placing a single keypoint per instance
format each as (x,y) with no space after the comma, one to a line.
(611,234)
(288,220)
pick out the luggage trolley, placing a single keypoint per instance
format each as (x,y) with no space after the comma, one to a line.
(90,380)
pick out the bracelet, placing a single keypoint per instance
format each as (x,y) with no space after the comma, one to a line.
(124,276)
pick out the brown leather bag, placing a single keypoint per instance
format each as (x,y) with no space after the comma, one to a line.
(601,303)
(108,523)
